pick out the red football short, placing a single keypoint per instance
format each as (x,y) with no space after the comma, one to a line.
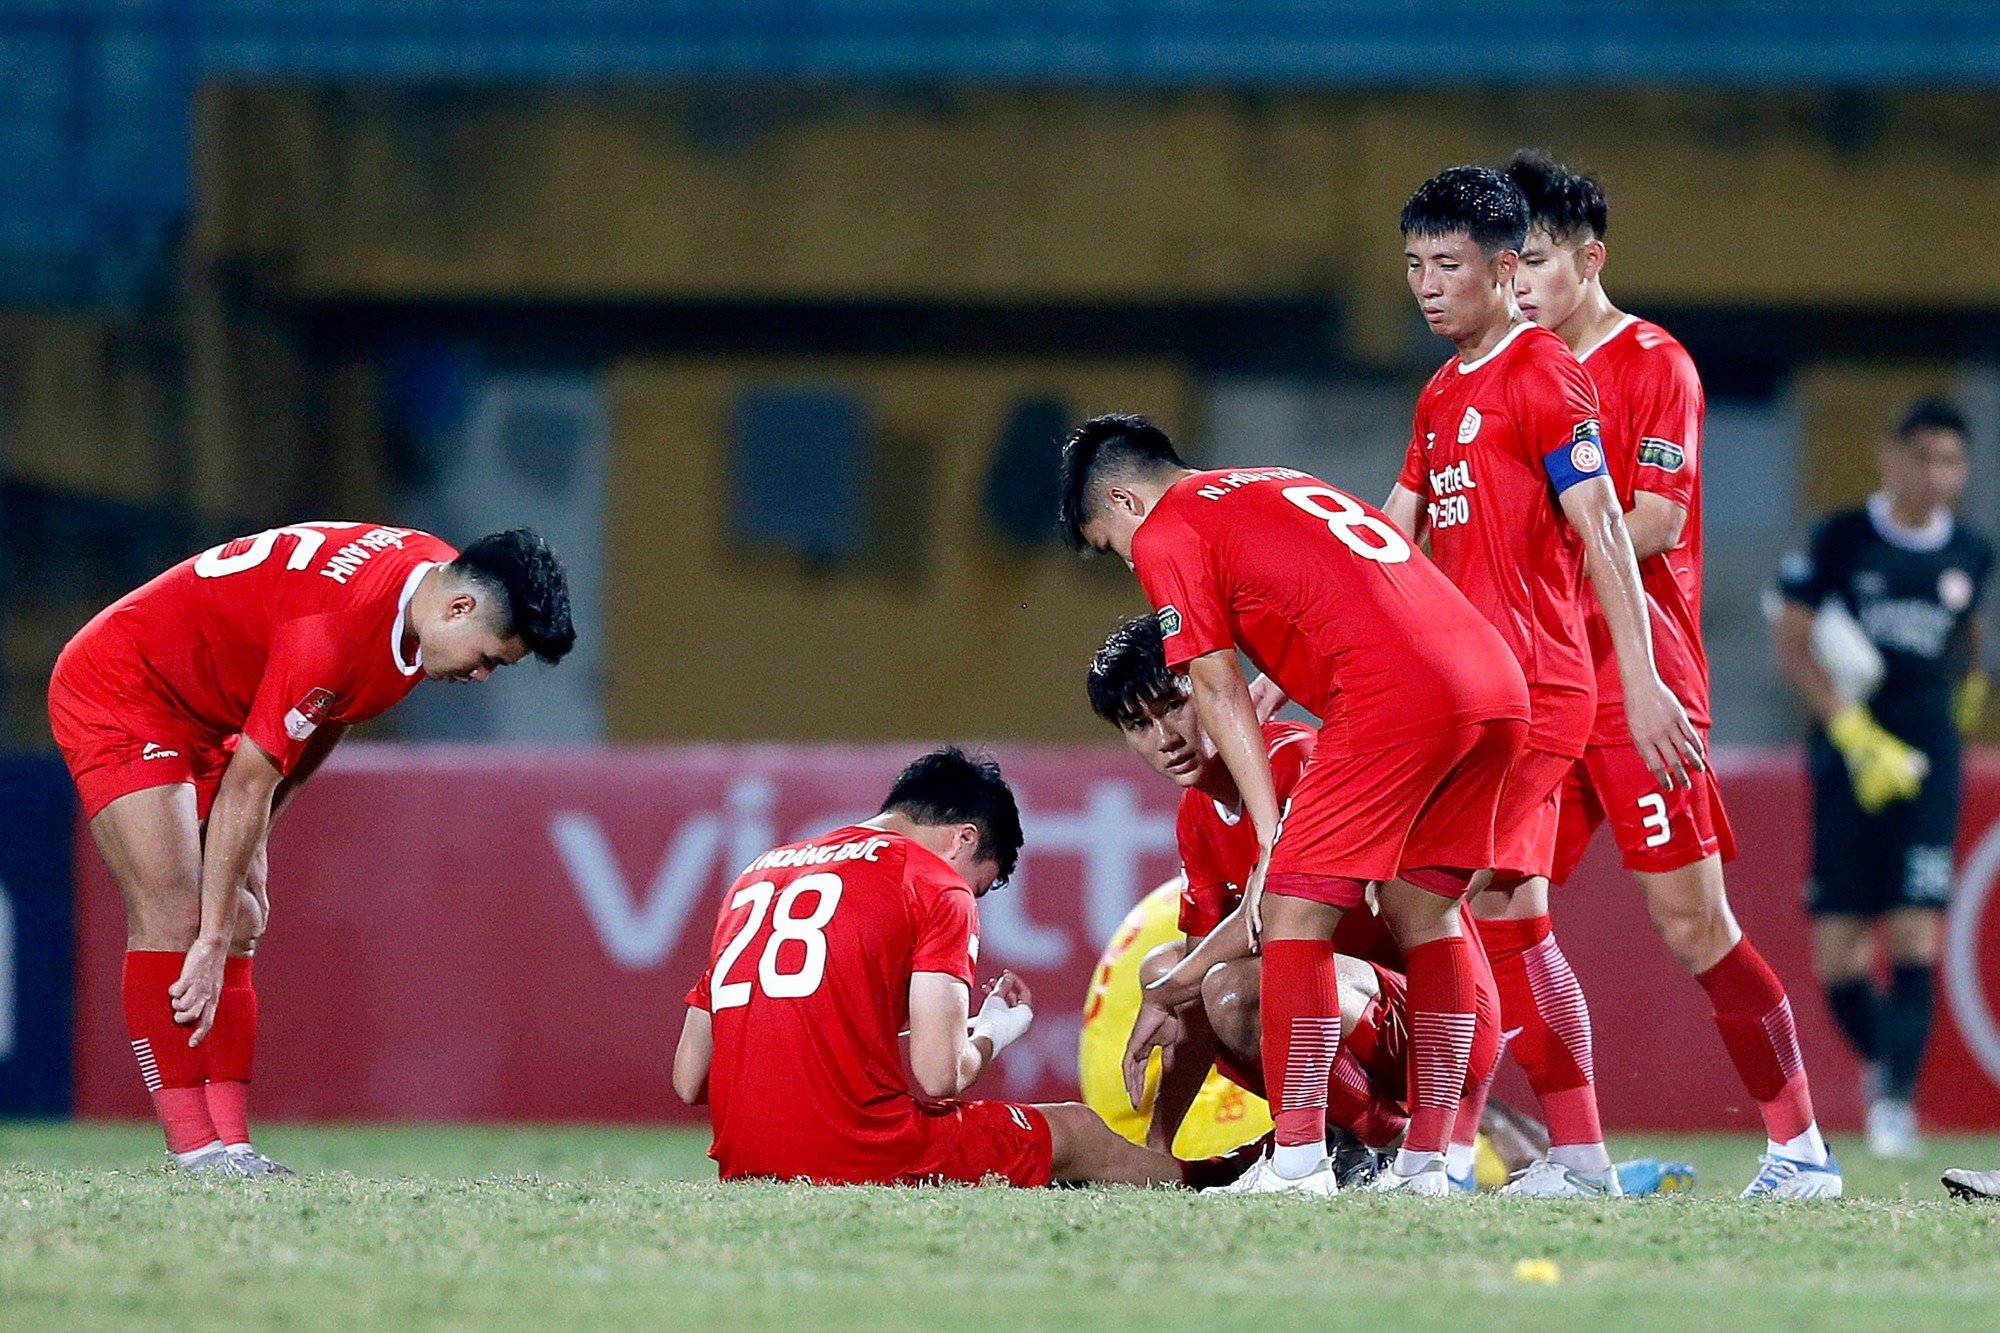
(1524,831)
(970,1142)
(1656,830)
(1428,803)
(117,739)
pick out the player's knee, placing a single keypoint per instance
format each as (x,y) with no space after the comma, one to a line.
(1072,1126)
(1229,996)
(1160,960)
(163,921)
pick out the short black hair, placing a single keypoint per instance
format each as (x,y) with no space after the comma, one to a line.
(1478,201)
(1570,205)
(520,566)
(1130,671)
(1932,414)
(949,786)
(1117,442)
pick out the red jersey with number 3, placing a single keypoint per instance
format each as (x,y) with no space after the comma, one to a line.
(808,985)
(1653,406)
(272,635)
(1328,598)
(1494,442)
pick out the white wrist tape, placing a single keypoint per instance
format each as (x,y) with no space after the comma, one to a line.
(1000,1023)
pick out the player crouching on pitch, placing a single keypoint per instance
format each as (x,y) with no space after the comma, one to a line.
(190,711)
(825,951)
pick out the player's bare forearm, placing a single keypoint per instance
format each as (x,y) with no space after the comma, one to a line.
(1655,524)
(238,822)
(1183,1066)
(1405,509)
(694,1057)
(1612,566)
(1791,635)
(1229,941)
(1222,701)
(317,749)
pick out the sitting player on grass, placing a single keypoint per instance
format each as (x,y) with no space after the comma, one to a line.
(825,951)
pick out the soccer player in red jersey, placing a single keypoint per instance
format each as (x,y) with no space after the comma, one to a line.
(1505,477)
(190,711)
(1215,1023)
(1423,712)
(824,951)
(1674,838)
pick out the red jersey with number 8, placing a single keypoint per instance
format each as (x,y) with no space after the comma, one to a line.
(1326,597)
(808,987)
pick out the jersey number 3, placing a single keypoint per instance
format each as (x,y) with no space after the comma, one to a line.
(786,925)
(1359,531)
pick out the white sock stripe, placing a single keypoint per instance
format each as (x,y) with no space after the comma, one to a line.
(1310,1060)
(1783,1032)
(1440,1050)
(1350,1073)
(1559,1000)
(149,1068)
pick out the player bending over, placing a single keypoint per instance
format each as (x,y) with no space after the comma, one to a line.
(1674,838)
(1424,711)
(190,711)
(824,952)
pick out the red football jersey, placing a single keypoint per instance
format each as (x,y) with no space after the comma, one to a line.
(1328,598)
(274,634)
(1218,850)
(808,983)
(1653,406)
(1494,439)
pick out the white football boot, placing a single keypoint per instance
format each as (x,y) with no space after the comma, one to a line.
(1965,1184)
(1433,1182)
(1548,1179)
(1262,1179)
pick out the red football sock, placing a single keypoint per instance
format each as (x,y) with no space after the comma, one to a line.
(231,1047)
(1443,1001)
(1540,997)
(1755,1019)
(174,1071)
(1352,1098)
(1301,1000)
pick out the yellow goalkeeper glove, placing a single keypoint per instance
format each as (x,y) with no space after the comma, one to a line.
(1968,706)
(1883,768)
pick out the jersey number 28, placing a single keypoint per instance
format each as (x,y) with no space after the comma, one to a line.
(786,925)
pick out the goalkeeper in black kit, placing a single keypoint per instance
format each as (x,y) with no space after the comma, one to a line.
(1876,633)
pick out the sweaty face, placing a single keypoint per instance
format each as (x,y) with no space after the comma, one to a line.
(1459,287)
(1167,734)
(1550,282)
(1925,472)
(461,644)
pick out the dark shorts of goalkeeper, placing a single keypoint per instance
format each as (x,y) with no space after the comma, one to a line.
(1867,864)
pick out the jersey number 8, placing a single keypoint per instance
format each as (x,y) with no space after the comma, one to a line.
(1348,521)
(809,931)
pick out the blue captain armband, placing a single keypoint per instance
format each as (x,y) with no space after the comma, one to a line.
(1579,460)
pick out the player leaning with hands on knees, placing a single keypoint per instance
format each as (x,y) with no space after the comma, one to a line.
(190,711)
(1675,838)
(825,951)
(1887,593)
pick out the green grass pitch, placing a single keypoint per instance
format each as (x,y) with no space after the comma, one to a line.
(532,1228)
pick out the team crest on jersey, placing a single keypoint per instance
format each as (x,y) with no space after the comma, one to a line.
(305,716)
(1662,454)
(1170,622)
(1955,589)
(1468,425)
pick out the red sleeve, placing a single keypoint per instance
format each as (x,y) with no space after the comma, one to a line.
(1554,406)
(1203,892)
(697,998)
(948,935)
(1173,568)
(1416,470)
(1668,424)
(304,678)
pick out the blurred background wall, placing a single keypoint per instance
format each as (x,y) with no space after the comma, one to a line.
(771,313)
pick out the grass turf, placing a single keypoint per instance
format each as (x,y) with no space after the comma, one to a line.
(530,1227)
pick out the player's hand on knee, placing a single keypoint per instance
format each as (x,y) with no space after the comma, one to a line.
(1155,1027)
(1266,698)
(1253,900)
(195,995)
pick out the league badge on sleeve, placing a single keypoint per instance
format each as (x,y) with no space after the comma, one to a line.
(305,716)
(1586,453)
(1662,454)
(1170,622)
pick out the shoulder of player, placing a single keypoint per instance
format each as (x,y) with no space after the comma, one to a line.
(1279,734)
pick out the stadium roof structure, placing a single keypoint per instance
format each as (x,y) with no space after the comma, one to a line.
(95,95)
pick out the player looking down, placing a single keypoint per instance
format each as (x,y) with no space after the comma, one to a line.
(1423,713)
(1674,838)
(825,951)
(190,711)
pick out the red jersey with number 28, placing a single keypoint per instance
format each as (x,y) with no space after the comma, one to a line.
(272,635)
(808,985)
(1653,407)
(1494,443)
(1329,599)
